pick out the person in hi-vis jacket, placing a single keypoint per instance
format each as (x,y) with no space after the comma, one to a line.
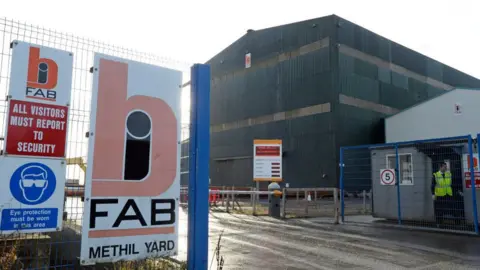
(444,193)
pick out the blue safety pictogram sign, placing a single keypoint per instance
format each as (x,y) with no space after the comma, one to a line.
(33,183)
(34,198)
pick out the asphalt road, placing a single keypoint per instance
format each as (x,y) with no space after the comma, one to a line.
(263,243)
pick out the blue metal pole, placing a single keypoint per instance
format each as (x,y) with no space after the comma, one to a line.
(342,202)
(192,170)
(472,180)
(199,155)
(397,178)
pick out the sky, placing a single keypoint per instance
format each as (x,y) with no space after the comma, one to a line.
(193,31)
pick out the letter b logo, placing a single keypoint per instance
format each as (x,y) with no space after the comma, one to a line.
(42,72)
(135,148)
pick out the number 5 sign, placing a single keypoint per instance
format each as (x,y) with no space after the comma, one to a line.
(387,177)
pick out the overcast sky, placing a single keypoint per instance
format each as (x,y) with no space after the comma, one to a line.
(195,30)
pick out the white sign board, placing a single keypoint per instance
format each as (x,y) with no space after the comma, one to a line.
(31,200)
(387,177)
(267,160)
(248,60)
(40,74)
(467,171)
(133,184)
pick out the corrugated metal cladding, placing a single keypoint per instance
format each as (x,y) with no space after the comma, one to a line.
(290,76)
(306,141)
(317,85)
(374,69)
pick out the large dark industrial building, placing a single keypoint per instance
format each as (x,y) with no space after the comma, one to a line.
(317,85)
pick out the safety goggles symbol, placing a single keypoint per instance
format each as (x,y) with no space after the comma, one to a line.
(37,180)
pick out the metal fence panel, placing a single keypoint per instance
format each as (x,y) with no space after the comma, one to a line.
(355,175)
(405,184)
(61,249)
(320,203)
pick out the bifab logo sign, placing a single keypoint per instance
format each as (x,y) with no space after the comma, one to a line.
(42,76)
(133,187)
(40,73)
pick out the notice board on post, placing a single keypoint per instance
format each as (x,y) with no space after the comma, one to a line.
(33,165)
(267,160)
(133,186)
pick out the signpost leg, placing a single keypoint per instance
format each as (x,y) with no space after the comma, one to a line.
(254,207)
(199,168)
(258,189)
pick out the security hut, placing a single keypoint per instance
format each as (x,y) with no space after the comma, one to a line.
(452,114)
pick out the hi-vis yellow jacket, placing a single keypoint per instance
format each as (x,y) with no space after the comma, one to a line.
(443,185)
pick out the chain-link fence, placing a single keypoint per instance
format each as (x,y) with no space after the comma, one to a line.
(424,184)
(61,249)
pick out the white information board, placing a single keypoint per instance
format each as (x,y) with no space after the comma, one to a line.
(32,198)
(267,160)
(133,184)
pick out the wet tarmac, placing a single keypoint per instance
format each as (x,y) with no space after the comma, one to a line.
(264,243)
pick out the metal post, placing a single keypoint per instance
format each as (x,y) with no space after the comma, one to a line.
(223,197)
(258,195)
(342,199)
(254,210)
(472,179)
(370,199)
(397,176)
(197,255)
(233,198)
(335,205)
(305,193)
(251,196)
(228,203)
(284,201)
(364,201)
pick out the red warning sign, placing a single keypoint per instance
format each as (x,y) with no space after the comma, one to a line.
(267,151)
(36,129)
(468,180)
